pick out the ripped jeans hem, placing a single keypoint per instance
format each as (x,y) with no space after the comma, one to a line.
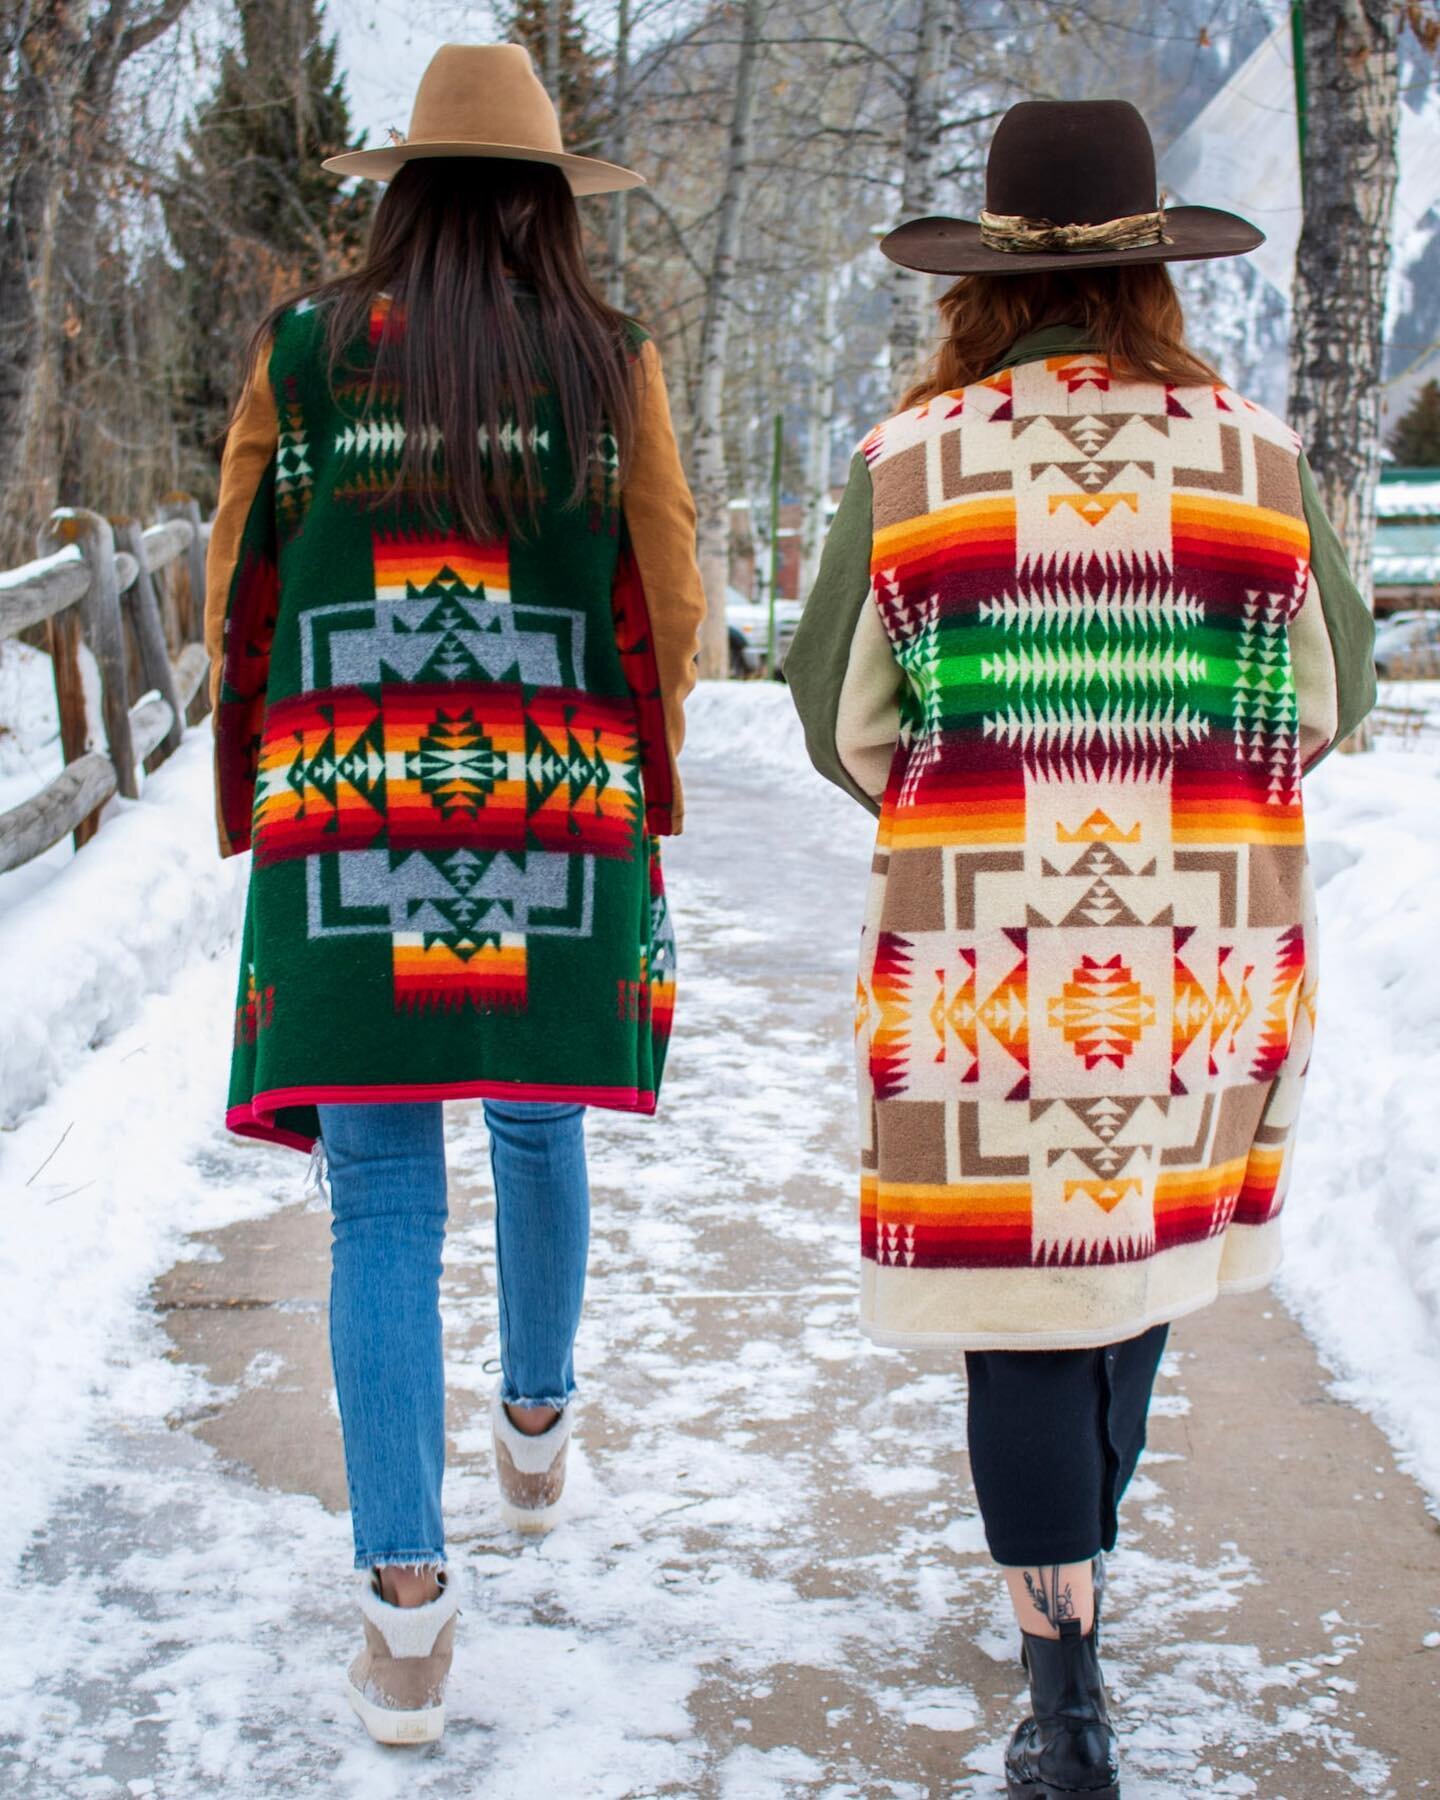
(558,1401)
(417,1562)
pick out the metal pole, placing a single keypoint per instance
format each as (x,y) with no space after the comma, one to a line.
(1302,93)
(775,536)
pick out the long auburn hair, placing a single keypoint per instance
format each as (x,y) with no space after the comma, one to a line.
(1132,315)
(452,241)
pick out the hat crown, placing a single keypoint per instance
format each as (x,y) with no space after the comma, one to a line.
(484,94)
(1073,162)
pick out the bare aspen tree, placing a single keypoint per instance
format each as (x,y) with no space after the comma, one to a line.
(1343,258)
(712,486)
(910,294)
(619,148)
(67,66)
(552,48)
(820,410)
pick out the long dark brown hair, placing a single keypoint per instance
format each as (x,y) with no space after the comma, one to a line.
(482,267)
(1131,315)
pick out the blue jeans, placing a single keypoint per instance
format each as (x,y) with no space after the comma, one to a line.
(387,1193)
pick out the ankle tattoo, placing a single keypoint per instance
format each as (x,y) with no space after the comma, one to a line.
(1053,1602)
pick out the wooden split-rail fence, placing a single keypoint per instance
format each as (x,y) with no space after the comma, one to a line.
(96,584)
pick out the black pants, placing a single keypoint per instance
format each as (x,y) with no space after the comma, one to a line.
(1054,1439)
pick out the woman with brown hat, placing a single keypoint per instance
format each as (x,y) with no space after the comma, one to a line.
(453,610)
(1080,628)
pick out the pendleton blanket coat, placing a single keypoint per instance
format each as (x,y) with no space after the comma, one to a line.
(451,759)
(1075,639)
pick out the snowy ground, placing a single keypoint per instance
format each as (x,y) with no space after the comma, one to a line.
(1362,1266)
(730,1589)
(1363,1240)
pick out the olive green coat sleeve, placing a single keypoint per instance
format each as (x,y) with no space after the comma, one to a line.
(841,669)
(1332,639)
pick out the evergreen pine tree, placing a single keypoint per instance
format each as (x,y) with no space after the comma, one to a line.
(1415,441)
(254,214)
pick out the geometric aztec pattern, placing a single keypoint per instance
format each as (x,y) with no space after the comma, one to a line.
(1086,987)
(439,746)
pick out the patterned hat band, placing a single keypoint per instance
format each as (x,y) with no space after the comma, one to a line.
(1013,231)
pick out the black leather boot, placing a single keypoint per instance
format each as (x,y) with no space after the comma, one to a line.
(1098,1577)
(1066,1749)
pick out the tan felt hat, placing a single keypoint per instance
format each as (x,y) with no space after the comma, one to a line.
(485,100)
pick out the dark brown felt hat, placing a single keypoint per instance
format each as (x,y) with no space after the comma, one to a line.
(1069,184)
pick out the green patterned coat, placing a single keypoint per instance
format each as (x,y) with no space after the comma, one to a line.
(451,759)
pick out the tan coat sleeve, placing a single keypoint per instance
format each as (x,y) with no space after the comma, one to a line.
(240,570)
(660,524)
(250,445)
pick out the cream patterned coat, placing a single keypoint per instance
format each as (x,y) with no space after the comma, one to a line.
(1091,660)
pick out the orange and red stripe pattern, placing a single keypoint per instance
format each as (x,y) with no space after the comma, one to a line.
(490,977)
(302,804)
(412,562)
(970,535)
(974,1224)
(594,807)
(1238,537)
(454,765)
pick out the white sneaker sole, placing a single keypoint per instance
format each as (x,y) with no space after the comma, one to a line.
(389,1726)
(531,1521)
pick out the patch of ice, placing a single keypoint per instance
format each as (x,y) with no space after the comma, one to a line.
(938,1709)
(750,1774)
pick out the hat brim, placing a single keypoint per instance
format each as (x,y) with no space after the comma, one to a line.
(940,246)
(586,174)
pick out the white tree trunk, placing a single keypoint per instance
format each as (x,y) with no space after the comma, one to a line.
(912,295)
(1343,259)
(820,410)
(552,49)
(619,246)
(712,486)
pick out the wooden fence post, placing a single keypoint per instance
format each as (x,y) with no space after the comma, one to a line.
(64,636)
(155,665)
(100,610)
(181,506)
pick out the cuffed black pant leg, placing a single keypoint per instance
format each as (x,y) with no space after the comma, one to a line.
(1054,1439)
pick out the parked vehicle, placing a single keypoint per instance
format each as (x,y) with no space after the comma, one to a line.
(750,633)
(1407,645)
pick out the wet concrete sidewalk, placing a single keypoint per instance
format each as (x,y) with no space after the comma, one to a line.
(773,1581)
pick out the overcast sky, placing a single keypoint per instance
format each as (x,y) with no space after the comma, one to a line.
(385,45)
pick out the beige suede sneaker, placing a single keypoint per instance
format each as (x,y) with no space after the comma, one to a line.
(397,1682)
(531,1470)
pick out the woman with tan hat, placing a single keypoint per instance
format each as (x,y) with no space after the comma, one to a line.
(1080,628)
(453,611)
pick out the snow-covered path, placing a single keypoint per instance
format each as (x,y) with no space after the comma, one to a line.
(772,1581)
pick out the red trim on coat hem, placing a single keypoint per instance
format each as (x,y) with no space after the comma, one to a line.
(240,1121)
(257,1120)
